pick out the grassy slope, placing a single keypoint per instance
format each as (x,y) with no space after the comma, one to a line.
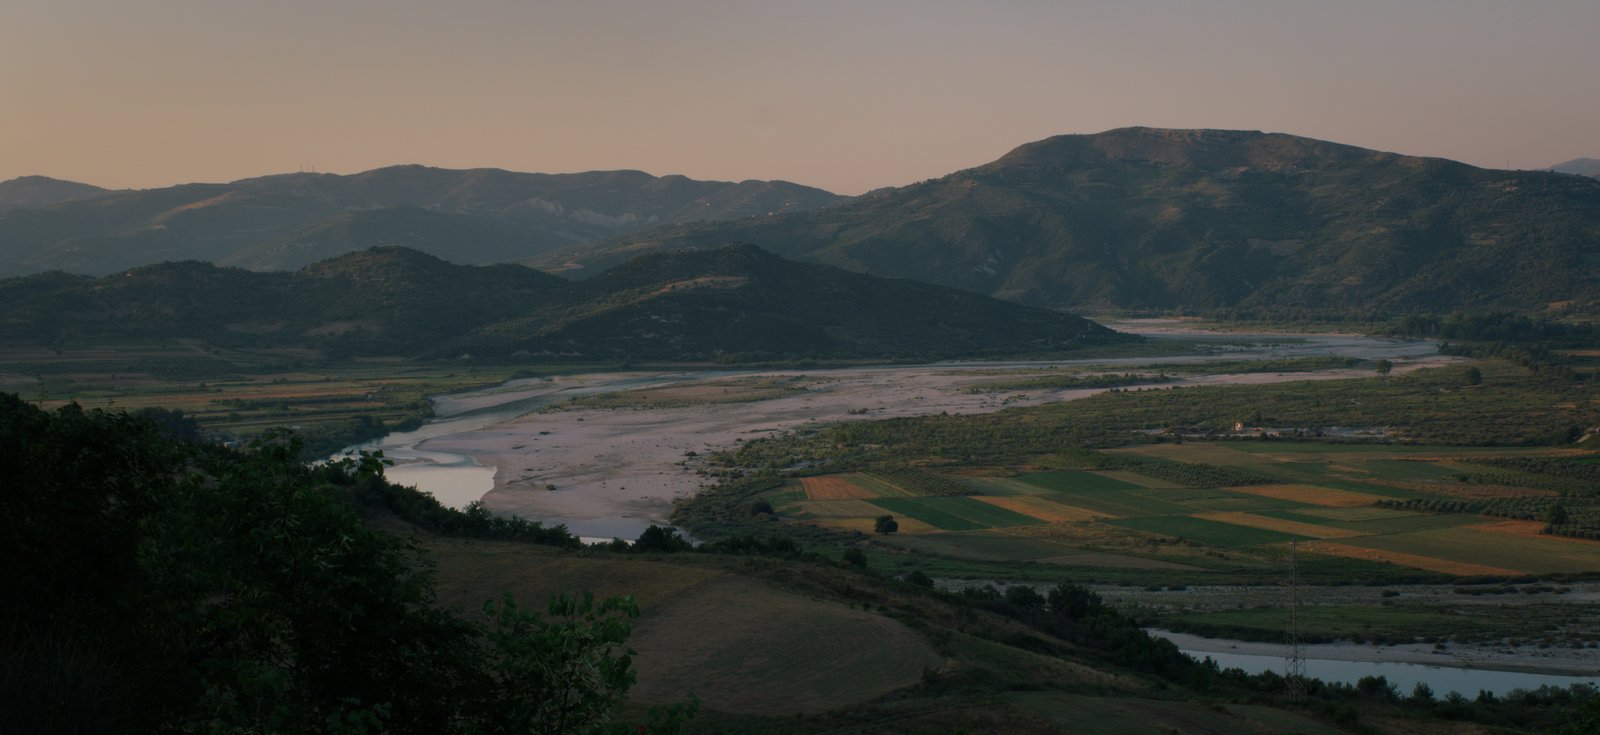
(796,647)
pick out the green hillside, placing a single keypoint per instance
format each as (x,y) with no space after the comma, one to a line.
(1208,220)
(731,303)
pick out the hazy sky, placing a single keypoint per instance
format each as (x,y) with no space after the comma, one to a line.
(848,96)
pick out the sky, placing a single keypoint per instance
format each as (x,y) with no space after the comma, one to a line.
(845,95)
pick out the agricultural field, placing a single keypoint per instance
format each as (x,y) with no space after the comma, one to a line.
(1225,507)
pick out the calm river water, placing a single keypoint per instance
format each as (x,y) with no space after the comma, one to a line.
(1441,679)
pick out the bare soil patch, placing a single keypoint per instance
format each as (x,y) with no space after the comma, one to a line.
(1041,508)
(1529,528)
(833,487)
(1312,495)
(1432,564)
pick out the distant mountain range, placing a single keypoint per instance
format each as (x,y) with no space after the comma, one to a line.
(288,221)
(27,192)
(1579,166)
(1215,221)
(734,303)
(1143,218)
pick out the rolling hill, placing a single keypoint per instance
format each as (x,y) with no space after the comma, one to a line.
(288,221)
(1579,166)
(42,191)
(735,303)
(1209,220)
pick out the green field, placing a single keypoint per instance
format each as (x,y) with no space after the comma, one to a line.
(1391,522)
(1003,486)
(1214,533)
(1121,520)
(1104,494)
(955,514)
(1071,481)
(1533,554)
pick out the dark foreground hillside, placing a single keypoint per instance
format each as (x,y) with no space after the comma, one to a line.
(732,304)
(1144,218)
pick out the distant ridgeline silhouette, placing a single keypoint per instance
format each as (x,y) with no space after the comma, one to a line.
(1247,223)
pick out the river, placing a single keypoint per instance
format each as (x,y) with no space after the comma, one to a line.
(616,471)
(1404,676)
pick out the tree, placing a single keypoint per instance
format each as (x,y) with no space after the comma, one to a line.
(657,539)
(1474,376)
(1025,597)
(885,525)
(568,673)
(1385,367)
(248,595)
(1557,515)
(855,557)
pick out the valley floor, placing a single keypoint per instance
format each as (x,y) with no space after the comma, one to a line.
(617,470)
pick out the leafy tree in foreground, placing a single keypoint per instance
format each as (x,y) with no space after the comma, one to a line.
(885,524)
(173,586)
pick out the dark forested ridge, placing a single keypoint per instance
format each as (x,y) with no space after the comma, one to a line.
(288,221)
(731,303)
(1199,219)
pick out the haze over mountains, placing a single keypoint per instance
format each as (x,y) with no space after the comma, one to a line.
(1579,166)
(288,221)
(1141,218)
(724,303)
(26,192)
(1137,218)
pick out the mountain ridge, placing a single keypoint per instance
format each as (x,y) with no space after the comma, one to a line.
(1197,220)
(285,221)
(737,303)
(26,192)
(1579,167)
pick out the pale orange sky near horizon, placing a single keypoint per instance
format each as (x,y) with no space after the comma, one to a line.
(848,96)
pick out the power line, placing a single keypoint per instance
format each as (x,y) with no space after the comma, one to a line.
(1294,675)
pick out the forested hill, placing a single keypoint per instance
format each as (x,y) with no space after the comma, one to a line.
(288,221)
(1199,219)
(735,303)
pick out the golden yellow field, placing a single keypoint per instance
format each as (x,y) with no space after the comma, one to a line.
(833,488)
(1326,497)
(1432,564)
(1045,510)
(1528,528)
(1298,528)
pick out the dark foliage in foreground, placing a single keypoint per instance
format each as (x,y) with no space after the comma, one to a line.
(162,585)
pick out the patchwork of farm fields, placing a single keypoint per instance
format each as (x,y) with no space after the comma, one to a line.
(1151,504)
